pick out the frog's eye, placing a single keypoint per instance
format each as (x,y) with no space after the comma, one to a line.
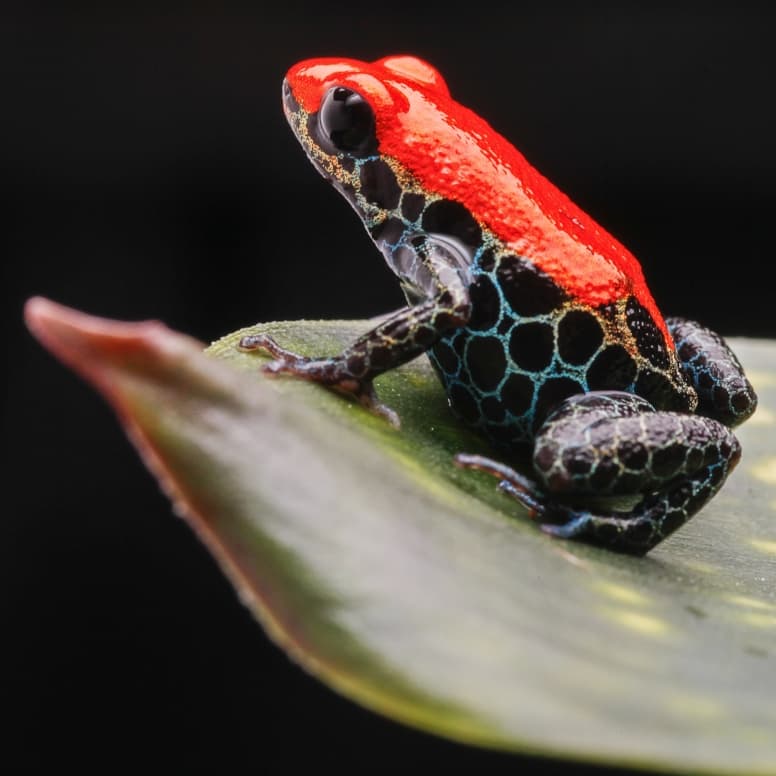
(347,122)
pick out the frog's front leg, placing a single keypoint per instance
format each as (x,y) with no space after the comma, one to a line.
(400,338)
(615,444)
(433,273)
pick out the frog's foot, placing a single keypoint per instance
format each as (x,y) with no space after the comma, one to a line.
(327,371)
(625,532)
(511,482)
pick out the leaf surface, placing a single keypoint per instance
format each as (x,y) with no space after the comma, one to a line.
(418,590)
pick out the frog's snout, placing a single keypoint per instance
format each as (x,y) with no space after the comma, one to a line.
(289,101)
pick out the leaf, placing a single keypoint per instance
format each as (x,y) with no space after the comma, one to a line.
(419,591)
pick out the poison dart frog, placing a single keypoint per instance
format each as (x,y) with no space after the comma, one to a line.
(538,323)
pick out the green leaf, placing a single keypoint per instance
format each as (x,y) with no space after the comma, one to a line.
(418,590)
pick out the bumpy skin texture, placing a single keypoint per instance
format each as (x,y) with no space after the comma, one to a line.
(539,324)
(714,371)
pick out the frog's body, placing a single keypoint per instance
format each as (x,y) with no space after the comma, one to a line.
(539,324)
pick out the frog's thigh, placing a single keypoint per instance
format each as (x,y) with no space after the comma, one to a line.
(610,443)
(614,443)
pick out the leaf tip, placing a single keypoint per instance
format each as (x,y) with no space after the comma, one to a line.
(82,341)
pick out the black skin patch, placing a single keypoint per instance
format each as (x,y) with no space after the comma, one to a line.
(501,435)
(379,185)
(445,216)
(579,337)
(604,475)
(578,460)
(459,343)
(667,461)
(493,409)
(447,357)
(389,230)
(634,455)
(552,393)
(486,362)
(487,260)
(464,403)
(486,304)
(612,369)
(649,339)
(517,393)
(506,323)
(659,391)
(412,205)
(532,346)
(528,291)
(348,163)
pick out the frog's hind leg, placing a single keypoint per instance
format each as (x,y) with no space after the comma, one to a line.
(616,444)
(712,368)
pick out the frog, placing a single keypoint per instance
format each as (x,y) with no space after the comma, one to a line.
(609,423)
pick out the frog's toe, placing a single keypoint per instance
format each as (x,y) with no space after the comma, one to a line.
(284,360)
(511,482)
(256,342)
(277,367)
(529,497)
(384,411)
(572,529)
(364,392)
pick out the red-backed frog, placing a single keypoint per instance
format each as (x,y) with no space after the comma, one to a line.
(538,322)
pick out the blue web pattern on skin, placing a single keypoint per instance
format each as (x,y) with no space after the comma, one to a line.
(529,346)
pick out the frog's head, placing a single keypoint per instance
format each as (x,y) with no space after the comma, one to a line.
(368,127)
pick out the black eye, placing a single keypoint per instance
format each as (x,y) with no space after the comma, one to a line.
(347,122)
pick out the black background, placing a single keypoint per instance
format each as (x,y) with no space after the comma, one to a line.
(146,171)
